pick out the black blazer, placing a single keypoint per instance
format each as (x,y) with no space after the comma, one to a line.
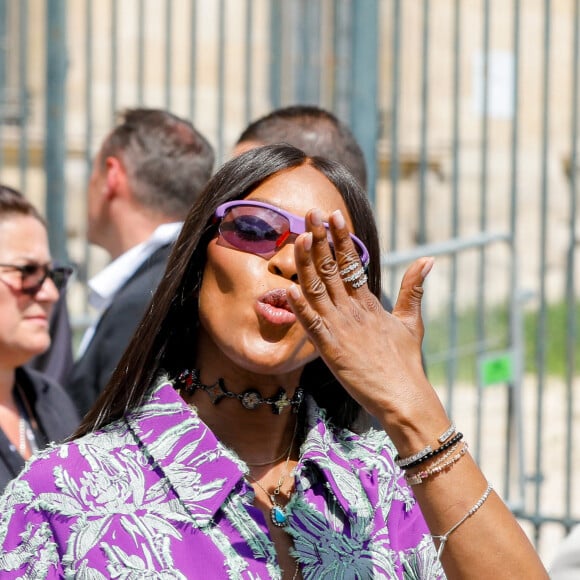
(57,361)
(114,331)
(54,411)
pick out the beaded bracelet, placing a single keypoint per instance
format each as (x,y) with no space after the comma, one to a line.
(455,439)
(443,538)
(406,461)
(448,453)
(447,461)
(442,465)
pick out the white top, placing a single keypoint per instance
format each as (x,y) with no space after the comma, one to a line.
(104,286)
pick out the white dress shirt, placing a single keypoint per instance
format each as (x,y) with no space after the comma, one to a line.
(104,286)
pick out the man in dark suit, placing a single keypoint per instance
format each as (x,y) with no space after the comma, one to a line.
(145,177)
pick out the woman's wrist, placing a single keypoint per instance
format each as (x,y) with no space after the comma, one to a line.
(415,425)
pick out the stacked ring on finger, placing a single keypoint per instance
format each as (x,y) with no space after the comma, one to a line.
(357,279)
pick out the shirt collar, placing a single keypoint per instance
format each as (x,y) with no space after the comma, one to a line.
(104,286)
(336,456)
(203,472)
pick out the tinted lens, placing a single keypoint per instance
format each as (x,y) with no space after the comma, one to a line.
(254,229)
(33,276)
(60,276)
(262,230)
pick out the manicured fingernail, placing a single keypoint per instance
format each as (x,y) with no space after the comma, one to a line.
(294,292)
(308,241)
(427,267)
(338,219)
(316,217)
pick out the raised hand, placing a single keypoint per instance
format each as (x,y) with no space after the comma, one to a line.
(375,355)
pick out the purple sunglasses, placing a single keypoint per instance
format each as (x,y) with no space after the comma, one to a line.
(262,229)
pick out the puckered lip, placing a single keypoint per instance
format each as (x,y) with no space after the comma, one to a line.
(276,298)
(273,308)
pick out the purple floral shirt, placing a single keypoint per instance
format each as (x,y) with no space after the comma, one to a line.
(156,495)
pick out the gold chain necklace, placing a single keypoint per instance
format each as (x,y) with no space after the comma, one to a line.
(278,513)
(275,460)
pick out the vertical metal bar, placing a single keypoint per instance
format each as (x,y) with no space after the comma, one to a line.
(396,27)
(89,33)
(314,52)
(424,133)
(423,166)
(23,103)
(308,69)
(54,144)
(193,62)
(455,202)
(3,57)
(221,81)
(542,314)
(571,326)
(168,56)
(114,61)
(276,53)
(364,107)
(248,61)
(300,33)
(140,52)
(516,337)
(481,306)
(3,50)
(342,39)
(88,82)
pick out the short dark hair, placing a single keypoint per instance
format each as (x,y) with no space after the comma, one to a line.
(166,337)
(167,160)
(13,202)
(315,131)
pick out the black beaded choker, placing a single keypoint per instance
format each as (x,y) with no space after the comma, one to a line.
(250,399)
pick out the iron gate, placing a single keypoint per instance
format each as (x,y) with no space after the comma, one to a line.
(468,116)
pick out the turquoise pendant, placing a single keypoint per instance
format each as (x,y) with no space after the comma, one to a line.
(278,515)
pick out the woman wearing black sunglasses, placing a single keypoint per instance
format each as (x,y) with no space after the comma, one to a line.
(33,410)
(231,440)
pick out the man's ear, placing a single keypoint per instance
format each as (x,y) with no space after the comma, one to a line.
(116,176)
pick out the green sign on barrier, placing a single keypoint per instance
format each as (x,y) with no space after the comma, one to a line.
(497,368)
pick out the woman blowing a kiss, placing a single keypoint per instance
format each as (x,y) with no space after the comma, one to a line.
(231,440)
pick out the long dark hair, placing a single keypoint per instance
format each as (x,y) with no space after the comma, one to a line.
(166,337)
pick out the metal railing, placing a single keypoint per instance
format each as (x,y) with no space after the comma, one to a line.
(469,126)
